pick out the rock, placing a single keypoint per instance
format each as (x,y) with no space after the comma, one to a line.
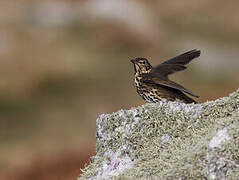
(169,140)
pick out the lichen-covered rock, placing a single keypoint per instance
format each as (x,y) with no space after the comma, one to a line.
(169,140)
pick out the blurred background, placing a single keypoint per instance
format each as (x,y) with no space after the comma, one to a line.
(65,62)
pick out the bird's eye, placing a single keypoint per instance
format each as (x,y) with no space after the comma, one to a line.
(143,62)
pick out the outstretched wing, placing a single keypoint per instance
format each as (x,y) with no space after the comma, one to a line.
(166,82)
(175,64)
(163,70)
(184,58)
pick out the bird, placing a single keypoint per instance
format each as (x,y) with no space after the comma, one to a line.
(153,84)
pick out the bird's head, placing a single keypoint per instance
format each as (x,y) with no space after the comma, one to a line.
(141,65)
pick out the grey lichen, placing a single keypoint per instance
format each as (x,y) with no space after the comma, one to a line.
(169,140)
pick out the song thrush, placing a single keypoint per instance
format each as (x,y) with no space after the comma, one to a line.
(153,84)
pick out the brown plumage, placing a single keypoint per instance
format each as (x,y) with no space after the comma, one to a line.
(153,84)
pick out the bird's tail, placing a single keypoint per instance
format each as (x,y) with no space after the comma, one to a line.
(188,100)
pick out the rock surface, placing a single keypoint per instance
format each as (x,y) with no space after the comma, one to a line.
(169,140)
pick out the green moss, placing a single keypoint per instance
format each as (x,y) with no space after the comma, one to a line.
(168,140)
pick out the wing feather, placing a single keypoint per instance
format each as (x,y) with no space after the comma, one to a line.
(164,70)
(168,83)
(184,58)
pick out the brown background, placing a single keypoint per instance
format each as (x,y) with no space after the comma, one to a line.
(62,63)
